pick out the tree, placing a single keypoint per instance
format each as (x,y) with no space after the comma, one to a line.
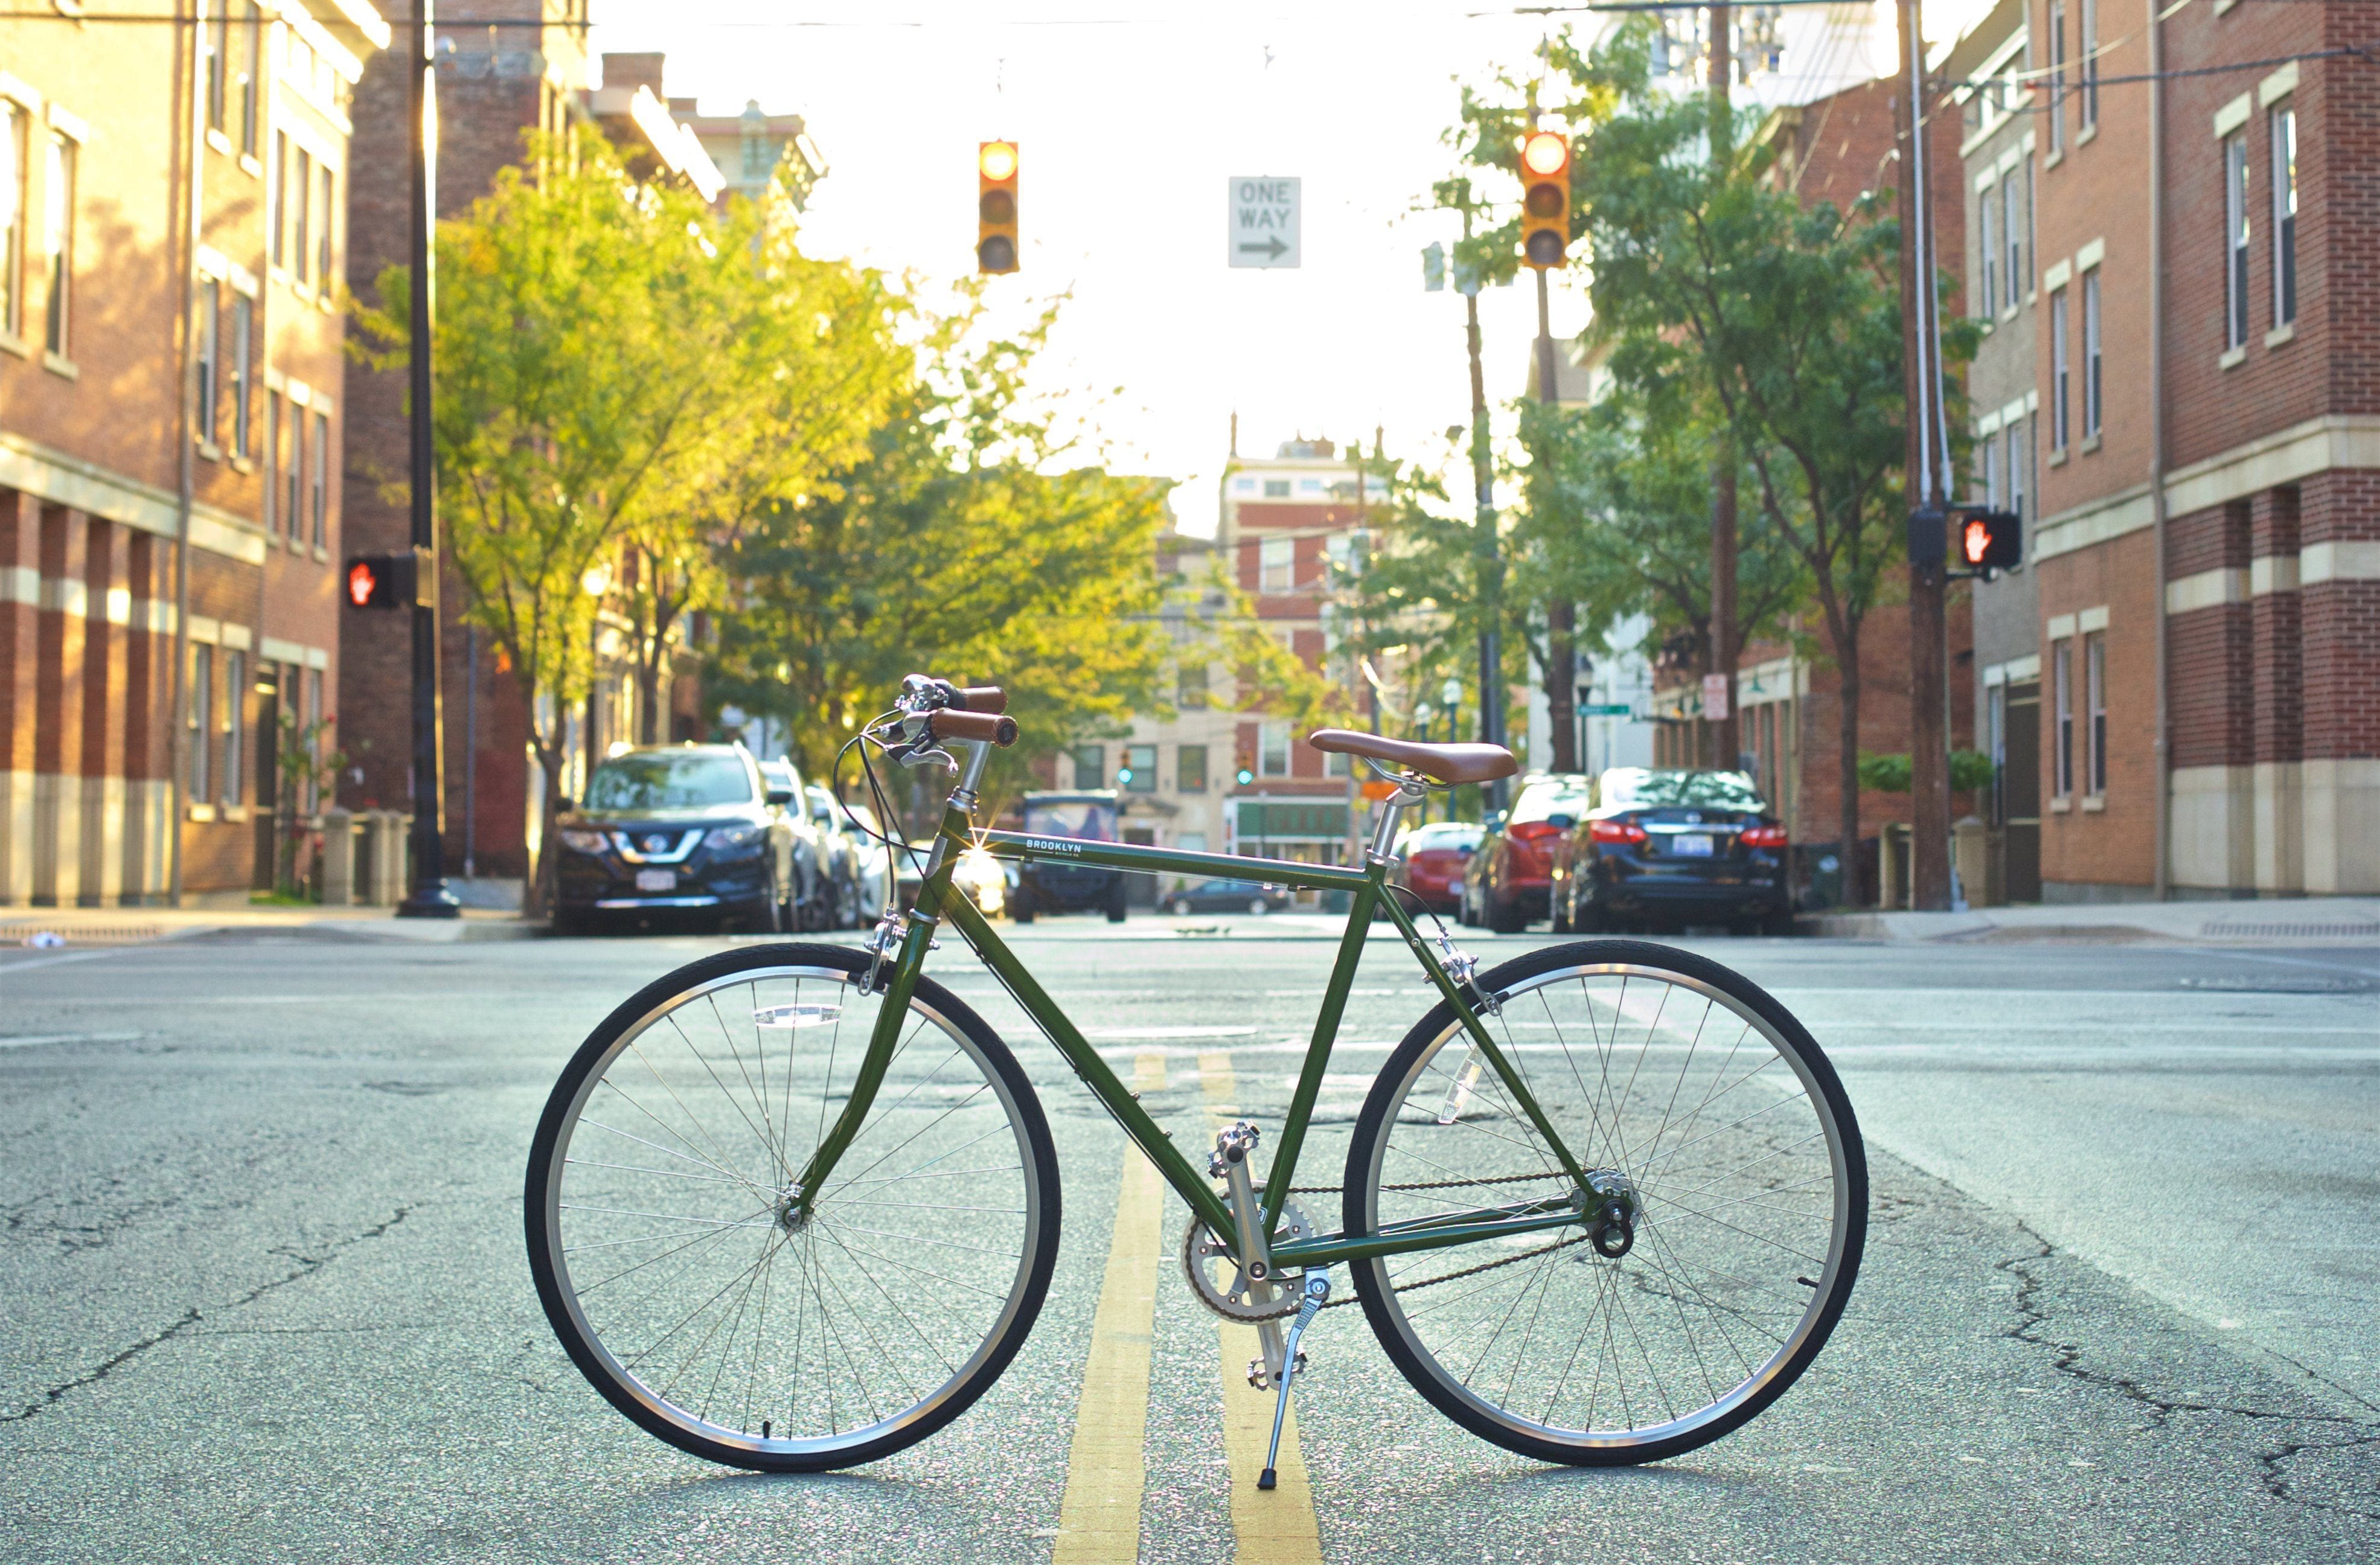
(608,353)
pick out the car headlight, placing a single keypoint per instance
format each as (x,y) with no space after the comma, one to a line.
(734,839)
(584,841)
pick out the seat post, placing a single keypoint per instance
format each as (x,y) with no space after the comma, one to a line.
(1393,808)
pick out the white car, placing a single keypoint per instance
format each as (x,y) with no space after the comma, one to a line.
(875,865)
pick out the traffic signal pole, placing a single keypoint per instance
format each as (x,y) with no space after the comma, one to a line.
(1727,749)
(1561,614)
(1926,489)
(1491,564)
(428,898)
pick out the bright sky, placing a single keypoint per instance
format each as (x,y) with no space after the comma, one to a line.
(1131,117)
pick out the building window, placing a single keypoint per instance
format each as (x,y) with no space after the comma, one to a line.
(293,472)
(323,275)
(14,122)
(2060,425)
(2032,247)
(1140,769)
(1988,296)
(322,481)
(314,718)
(301,192)
(1190,769)
(1987,464)
(2094,405)
(58,214)
(276,197)
(2284,125)
(2012,239)
(2094,706)
(210,363)
(2016,467)
(252,52)
(756,157)
(1272,750)
(1090,766)
(2086,52)
(1276,488)
(2061,671)
(1190,687)
(218,47)
(2057,78)
(1277,564)
(198,729)
(243,317)
(233,705)
(2235,240)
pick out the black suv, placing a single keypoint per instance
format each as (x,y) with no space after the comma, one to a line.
(684,828)
(1044,887)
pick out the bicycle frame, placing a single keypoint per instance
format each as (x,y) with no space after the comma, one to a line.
(1368,889)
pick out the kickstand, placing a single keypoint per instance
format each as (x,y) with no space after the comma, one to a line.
(1317,1289)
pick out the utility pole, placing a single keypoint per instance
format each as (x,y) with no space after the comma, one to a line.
(1484,541)
(1727,750)
(1561,613)
(1927,491)
(428,898)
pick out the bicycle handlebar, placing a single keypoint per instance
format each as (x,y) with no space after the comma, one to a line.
(990,727)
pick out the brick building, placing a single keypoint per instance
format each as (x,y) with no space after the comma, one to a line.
(2266,595)
(172,405)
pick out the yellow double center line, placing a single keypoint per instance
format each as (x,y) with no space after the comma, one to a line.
(1098,1520)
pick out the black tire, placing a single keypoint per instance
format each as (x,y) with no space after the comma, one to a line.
(573,921)
(548,1153)
(1115,900)
(1504,917)
(1405,1084)
(1022,908)
(1558,917)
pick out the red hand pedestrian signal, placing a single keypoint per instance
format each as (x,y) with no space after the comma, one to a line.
(1990,542)
(382,581)
(362,582)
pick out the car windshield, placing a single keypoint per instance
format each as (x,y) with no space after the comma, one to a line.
(669,780)
(1089,820)
(1655,790)
(1555,796)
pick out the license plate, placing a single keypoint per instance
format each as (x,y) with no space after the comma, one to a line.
(1694,845)
(666,879)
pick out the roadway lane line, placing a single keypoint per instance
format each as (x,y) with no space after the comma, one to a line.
(1276,1528)
(1098,1520)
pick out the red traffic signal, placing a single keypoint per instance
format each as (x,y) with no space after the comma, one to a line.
(380,581)
(1991,540)
(995,207)
(1545,200)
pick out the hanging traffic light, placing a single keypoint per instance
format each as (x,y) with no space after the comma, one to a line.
(382,581)
(1990,542)
(995,207)
(1545,198)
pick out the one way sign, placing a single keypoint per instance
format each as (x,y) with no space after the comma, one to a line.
(1263,223)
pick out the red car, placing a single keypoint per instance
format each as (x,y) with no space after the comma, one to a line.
(1433,858)
(1511,880)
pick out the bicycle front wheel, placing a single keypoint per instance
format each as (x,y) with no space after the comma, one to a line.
(701,1301)
(1665,1075)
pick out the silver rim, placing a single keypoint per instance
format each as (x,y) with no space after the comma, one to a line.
(1717,1125)
(671,1241)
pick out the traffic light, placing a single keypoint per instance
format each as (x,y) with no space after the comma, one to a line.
(1991,540)
(382,581)
(1545,198)
(995,207)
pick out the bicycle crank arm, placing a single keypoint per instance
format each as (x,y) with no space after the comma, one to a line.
(1317,1290)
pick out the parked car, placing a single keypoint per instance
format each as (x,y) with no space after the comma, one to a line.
(1045,887)
(1228,896)
(875,863)
(980,877)
(1506,884)
(1670,847)
(1432,859)
(688,830)
(840,844)
(812,891)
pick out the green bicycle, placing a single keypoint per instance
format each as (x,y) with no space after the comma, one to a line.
(795,1207)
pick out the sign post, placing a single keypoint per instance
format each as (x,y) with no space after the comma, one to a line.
(1263,227)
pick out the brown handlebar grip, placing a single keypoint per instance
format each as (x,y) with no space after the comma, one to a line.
(982,698)
(992,727)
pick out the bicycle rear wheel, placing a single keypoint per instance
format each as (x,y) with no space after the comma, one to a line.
(1695,1089)
(691,1294)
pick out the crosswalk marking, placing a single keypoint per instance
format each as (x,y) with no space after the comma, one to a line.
(1098,1520)
(1268,1528)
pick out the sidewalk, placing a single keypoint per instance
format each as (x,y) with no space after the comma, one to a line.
(2295,921)
(87,926)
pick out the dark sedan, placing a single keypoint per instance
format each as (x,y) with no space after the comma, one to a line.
(1228,896)
(1432,860)
(688,831)
(1508,881)
(1662,849)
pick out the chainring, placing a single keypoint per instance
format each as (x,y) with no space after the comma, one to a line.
(1225,1288)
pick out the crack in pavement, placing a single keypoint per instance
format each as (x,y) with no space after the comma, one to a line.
(2065,1356)
(307,1266)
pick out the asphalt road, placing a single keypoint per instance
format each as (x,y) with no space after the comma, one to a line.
(260,1241)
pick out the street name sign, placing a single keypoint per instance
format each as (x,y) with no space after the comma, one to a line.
(1263,223)
(1606,709)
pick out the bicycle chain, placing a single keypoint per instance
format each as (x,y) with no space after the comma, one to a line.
(1468,1271)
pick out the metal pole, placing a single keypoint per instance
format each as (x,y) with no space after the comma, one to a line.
(2161,760)
(428,898)
(1726,744)
(177,700)
(1484,545)
(1928,487)
(470,750)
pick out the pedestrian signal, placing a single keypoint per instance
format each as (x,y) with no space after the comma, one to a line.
(380,581)
(1545,198)
(1991,540)
(995,202)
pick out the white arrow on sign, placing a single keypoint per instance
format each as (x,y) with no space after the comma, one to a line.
(1263,223)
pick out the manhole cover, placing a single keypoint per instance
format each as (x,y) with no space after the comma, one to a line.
(2257,983)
